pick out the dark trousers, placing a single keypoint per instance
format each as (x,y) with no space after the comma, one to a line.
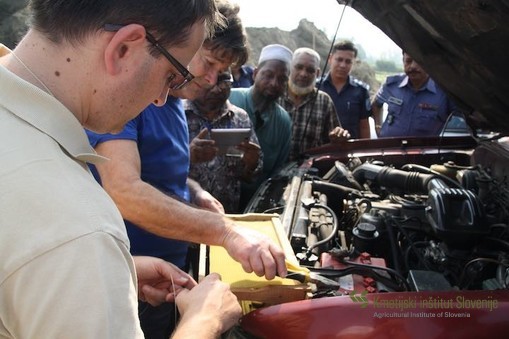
(160,322)
(157,322)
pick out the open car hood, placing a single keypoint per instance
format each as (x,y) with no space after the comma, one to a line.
(431,214)
(460,43)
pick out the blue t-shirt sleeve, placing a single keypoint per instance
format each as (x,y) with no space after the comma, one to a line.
(130,132)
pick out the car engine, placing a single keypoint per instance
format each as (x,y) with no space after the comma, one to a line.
(380,228)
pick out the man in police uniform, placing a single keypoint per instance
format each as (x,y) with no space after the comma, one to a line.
(416,104)
(350,95)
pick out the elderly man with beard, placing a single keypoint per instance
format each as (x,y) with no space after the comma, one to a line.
(314,117)
(273,125)
(417,106)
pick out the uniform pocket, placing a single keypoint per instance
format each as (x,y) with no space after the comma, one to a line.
(427,121)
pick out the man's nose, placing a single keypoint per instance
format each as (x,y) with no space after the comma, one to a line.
(211,76)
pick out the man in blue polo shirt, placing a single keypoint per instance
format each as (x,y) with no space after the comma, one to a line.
(416,104)
(350,95)
(147,177)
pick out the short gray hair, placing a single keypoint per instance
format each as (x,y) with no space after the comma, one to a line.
(308,51)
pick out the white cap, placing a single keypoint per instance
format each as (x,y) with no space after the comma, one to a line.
(276,52)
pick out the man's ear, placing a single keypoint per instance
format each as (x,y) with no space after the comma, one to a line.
(125,45)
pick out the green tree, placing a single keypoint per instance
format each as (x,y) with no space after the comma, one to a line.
(388,66)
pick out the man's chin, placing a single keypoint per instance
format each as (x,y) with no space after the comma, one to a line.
(300,91)
(271,96)
(415,76)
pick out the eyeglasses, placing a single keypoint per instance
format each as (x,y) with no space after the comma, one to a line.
(186,76)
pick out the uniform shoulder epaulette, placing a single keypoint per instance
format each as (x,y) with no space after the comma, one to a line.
(360,83)
(394,78)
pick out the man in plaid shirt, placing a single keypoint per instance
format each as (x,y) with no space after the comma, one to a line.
(314,117)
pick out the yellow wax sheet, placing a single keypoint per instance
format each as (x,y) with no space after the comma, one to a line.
(231,271)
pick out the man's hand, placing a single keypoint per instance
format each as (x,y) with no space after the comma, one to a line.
(202,149)
(205,200)
(255,251)
(202,198)
(160,281)
(251,154)
(338,134)
(210,307)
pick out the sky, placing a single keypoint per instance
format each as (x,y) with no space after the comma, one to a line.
(325,14)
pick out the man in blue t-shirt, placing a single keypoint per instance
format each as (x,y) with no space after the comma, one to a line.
(147,178)
(162,165)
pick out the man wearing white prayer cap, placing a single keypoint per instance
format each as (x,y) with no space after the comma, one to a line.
(275,52)
(273,125)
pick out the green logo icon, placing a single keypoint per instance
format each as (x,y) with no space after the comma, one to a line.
(360,298)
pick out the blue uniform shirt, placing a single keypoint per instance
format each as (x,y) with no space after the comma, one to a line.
(163,143)
(352,103)
(245,79)
(413,113)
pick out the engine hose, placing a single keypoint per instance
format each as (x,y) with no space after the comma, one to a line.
(409,182)
(334,228)
(337,189)
(500,274)
(393,245)
(424,169)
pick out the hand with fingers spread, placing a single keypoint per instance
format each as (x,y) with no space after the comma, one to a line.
(255,251)
(201,148)
(159,281)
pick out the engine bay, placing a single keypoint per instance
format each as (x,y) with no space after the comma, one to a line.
(375,227)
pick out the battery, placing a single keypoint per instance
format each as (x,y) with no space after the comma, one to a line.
(354,282)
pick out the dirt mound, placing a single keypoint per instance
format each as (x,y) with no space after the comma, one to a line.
(13,24)
(306,35)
